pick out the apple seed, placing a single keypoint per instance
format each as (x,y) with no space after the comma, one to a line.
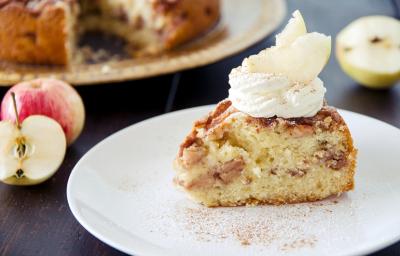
(21,148)
(19,174)
(376,40)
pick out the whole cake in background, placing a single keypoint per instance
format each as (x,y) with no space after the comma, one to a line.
(274,140)
(46,31)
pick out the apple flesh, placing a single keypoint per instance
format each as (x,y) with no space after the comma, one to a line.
(295,28)
(368,50)
(301,61)
(49,97)
(32,153)
(298,55)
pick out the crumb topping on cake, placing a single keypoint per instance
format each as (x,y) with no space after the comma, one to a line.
(326,119)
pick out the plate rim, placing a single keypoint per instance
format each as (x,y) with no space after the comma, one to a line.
(139,251)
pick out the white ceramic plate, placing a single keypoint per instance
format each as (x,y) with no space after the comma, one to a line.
(121,191)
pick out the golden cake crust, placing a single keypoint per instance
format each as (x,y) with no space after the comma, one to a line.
(186,19)
(33,35)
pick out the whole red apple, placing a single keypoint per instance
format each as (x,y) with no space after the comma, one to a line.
(50,97)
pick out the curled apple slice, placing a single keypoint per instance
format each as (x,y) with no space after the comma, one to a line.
(31,153)
(295,28)
(301,61)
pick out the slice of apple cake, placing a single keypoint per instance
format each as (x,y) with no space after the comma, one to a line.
(231,158)
(274,140)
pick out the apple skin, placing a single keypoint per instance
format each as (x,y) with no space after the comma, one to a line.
(367,78)
(49,97)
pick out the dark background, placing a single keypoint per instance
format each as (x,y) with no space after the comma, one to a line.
(37,221)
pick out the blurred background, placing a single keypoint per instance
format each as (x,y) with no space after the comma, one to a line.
(111,107)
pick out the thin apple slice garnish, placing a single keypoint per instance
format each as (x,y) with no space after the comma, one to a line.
(32,153)
(300,61)
(368,50)
(295,28)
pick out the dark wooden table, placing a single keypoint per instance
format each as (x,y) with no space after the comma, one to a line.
(37,221)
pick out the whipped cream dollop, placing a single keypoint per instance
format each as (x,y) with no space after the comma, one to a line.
(268,95)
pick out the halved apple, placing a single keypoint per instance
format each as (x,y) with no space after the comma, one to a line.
(295,28)
(301,61)
(368,50)
(31,153)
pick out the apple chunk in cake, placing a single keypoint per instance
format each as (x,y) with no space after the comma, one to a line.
(231,158)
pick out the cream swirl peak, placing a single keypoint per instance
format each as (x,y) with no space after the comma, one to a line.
(268,95)
(283,80)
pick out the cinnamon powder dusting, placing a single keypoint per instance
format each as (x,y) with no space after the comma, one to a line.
(300,243)
(247,228)
(254,230)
